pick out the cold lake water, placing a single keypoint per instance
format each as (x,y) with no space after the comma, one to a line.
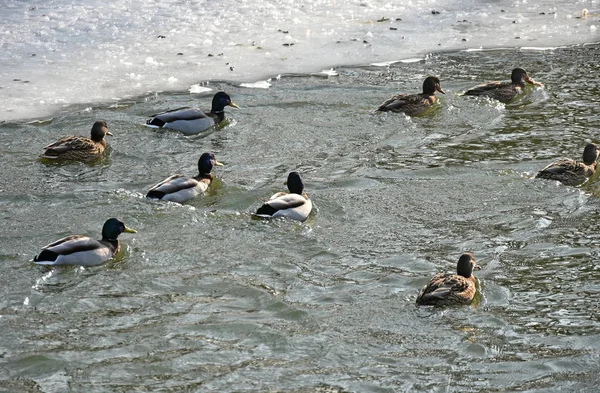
(203,298)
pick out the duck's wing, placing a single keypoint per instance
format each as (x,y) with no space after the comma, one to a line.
(178,188)
(567,171)
(189,121)
(396,102)
(74,250)
(562,166)
(294,206)
(172,184)
(68,144)
(185,113)
(447,288)
(486,88)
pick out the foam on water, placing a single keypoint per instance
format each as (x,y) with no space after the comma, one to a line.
(68,52)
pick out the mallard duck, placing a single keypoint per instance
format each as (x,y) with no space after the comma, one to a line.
(192,121)
(413,104)
(294,205)
(504,91)
(178,188)
(79,148)
(83,251)
(570,172)
(449,288)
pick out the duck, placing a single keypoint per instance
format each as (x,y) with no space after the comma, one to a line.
(504,91)
(451,289)
(179,188)
(294,205)
(80,148)
(83,251)
(413,104)
(191,121)
(570,172)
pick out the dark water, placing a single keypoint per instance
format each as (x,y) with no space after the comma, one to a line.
(205,299)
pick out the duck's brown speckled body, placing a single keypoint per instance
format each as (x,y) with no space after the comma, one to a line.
(571,172)
(504,91)
(413,104)
(79,148)
(449,288)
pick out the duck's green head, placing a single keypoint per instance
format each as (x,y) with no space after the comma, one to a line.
(100,130)
(294,183)
(590,153)
(466,264)
(206,162)
(220,101)
(113,227)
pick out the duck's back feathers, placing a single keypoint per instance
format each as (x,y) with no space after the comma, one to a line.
(501,91)
(73,147)
(447,289)
(504,91)
(292,206)
(77,147)
(567,171)
(413,104)
(193,120)
(178,188)
(76,250)
(186,120)
(571,172)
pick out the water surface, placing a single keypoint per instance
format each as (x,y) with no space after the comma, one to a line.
(203,298)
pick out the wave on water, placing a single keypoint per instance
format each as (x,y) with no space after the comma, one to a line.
(67,52)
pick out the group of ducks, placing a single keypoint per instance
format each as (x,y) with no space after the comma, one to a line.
(443,289)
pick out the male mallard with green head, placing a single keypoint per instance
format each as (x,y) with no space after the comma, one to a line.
(192,121)
(571,172)
(504,91)
(79,148)
(294,205)
(451,289)
(413,104)
(179,188)
(82,250)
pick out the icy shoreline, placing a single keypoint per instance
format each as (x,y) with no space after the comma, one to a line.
(68,54)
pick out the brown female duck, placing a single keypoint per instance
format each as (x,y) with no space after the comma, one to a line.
(504,91)
(571,172)
(413,104)
(451,289)
(76,147)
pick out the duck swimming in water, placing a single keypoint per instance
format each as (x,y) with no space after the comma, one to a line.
(178,188)
(414,104)
(571,172)
(504,91)
(294,205)
(83,251)
(192,121)
(79,148)
(451,289)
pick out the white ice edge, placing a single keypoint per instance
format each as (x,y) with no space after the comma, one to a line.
(60,53)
